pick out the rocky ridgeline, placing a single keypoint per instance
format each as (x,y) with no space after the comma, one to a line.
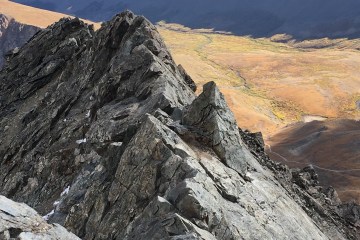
(102,133)
(13,34)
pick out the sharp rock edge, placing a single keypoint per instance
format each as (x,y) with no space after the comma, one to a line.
(109,117)
(19,221)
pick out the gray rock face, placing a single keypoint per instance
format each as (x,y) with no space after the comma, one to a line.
(19,221)
(213,120)
(13,35)
(103,130)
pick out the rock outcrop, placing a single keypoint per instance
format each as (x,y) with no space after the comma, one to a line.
(102,133)
(19,221)
(13,35)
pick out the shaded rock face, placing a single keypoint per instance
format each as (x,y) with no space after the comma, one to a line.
(19,221)
(104,132)
(13,35)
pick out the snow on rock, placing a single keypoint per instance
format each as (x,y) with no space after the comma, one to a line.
(47,216)
(118,144)
(19,221)
(65,192)
(80,141)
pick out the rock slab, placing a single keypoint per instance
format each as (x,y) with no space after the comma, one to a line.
(19,221)
(104,131)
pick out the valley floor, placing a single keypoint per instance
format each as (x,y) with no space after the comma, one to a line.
(281,89)
(269,84)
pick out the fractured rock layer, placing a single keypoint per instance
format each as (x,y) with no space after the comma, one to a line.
(104,130)
(19,221)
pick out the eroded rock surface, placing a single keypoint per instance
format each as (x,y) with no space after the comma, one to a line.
(103,130)
(19,221)
(13,35)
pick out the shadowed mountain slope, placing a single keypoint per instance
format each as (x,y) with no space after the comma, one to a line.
(13,34)
(32,16)
(258,18)
(102,132)
(331,147)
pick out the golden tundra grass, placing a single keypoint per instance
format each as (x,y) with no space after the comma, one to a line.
(269,85)
(33,16)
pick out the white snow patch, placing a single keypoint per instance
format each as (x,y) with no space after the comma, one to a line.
(311,118)
(162,200)
(118,144)
(87,114)
(16,50)
(80,141)
(56,203)
(73,40)
(65,192)
(47,216)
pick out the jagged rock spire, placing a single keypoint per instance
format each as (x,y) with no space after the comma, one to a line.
(104,131)
(212,118)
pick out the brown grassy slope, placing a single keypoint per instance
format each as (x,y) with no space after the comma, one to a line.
(33,16)
(332,147)
(269,84)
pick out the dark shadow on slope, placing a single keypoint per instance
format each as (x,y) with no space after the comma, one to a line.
(331,147)
(303,19)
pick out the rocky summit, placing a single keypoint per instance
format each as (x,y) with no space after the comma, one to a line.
(102,133)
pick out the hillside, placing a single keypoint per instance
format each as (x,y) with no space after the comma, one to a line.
(258,18)
(269,84)
(331,147)
(126,150)
(32,16)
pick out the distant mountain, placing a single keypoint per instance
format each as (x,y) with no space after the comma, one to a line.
(259,18)
(13,34)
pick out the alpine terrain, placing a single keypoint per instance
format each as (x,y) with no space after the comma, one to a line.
(18,23)
(289,62)
(103,134)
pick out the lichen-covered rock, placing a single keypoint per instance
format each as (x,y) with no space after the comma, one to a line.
(103,131)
